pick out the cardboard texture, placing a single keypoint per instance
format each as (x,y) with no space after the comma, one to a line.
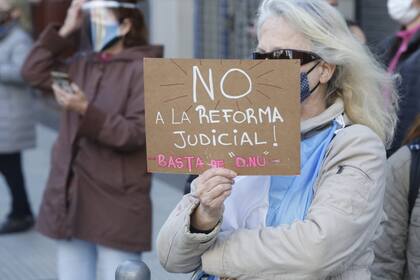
(239,114)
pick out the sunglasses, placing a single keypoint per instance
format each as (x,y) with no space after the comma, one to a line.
(305,57)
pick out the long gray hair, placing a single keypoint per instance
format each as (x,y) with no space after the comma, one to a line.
(368,91)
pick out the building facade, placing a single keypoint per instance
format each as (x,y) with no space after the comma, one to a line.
(223,28)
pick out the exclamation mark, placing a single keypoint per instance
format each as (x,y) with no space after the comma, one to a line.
(275,137)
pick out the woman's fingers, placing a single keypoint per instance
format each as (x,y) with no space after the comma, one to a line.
(76,88)
(207,198)
(58,98)
(217,180)
(61,96)
(218,202)
(213,187)
(213,172)
(58,89)
(213,182)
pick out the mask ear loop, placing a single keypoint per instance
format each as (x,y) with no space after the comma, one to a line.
(310,70)
(313,67)
(332,91)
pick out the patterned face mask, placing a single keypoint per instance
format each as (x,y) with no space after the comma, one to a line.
(305,90)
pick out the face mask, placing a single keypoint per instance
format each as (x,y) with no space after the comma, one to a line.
(104,26)
(305,90)
(402,11)
(103,35)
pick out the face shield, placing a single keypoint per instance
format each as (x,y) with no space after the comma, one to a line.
(102,27)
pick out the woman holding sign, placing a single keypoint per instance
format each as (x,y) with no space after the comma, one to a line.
(321,224)
(97,201)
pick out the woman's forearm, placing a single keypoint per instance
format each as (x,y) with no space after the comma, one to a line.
(179,250)
(45,57)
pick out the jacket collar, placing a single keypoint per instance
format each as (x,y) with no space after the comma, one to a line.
(414,42)
(395,42)
(332,112)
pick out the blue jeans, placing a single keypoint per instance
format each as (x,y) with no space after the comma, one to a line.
(83,260)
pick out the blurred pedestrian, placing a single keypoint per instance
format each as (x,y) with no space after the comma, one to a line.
(97,200)
(320,224)
(17,127)
(353,26)
(401,52)
(397,251)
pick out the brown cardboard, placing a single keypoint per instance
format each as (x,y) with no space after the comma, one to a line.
(242,134)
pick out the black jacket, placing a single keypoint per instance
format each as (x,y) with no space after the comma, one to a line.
(409,88)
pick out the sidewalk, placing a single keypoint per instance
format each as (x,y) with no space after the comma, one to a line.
(30,256)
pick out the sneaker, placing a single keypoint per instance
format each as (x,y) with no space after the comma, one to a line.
(15,225)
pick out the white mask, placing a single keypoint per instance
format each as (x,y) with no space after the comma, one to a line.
(402,11)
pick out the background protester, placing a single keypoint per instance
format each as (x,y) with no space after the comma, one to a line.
(397,252)
(401,53)
(353,26)
(97,200)
(17,128)
(320,224)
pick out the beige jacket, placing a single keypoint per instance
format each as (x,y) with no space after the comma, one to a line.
(398,249)
(333,242)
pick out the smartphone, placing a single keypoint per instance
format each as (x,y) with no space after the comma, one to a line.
(62,80)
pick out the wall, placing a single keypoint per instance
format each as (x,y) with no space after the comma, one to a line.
(171,24)
(347,8)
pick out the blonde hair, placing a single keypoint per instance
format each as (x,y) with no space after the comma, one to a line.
(368,91)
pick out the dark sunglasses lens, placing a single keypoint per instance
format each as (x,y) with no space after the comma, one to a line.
(307,59)
(257,55)
(304,57)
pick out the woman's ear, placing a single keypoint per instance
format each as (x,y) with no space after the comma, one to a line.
(126,26)
(327,72)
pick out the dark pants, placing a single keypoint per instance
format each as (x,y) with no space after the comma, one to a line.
(11,169)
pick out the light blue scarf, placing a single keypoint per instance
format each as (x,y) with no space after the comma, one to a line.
(291,196)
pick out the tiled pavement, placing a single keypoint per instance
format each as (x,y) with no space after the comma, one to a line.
(30,256)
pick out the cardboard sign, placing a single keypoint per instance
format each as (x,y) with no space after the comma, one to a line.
(238,114)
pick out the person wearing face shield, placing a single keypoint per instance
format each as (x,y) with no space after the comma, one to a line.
(17,127)
(97,200)
(401,53)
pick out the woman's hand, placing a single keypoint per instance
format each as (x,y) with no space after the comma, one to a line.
(74,18)
(76,101)
(212,189)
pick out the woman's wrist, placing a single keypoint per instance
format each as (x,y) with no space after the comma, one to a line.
(203,222)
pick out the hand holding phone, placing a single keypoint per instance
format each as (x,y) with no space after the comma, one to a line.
(69,95)
(62,80)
